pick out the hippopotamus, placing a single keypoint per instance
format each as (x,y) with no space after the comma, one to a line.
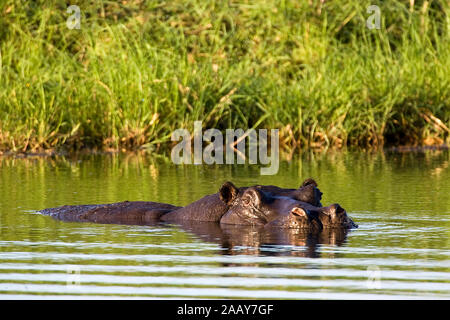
(267,206)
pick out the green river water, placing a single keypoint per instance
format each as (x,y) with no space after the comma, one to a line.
(401,202)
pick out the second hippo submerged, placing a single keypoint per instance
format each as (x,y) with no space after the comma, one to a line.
(267,206)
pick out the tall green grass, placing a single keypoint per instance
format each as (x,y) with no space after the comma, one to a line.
(137,70)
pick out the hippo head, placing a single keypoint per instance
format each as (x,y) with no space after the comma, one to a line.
(307,192)
(262,205)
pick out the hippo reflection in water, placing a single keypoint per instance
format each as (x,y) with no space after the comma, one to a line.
(258,240)
(266,206)
(248,217)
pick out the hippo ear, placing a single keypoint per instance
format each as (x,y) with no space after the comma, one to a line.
(310,194)
(308,182)
(252,196)
(228,192)
(305,194)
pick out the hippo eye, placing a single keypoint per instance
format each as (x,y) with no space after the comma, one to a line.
(246,201)
(252,198)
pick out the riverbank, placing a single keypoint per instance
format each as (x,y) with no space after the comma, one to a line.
(134,72)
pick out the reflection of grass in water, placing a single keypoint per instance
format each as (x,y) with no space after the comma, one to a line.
(133,73)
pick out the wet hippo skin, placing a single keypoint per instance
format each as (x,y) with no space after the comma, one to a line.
(120,213)
(267,206)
